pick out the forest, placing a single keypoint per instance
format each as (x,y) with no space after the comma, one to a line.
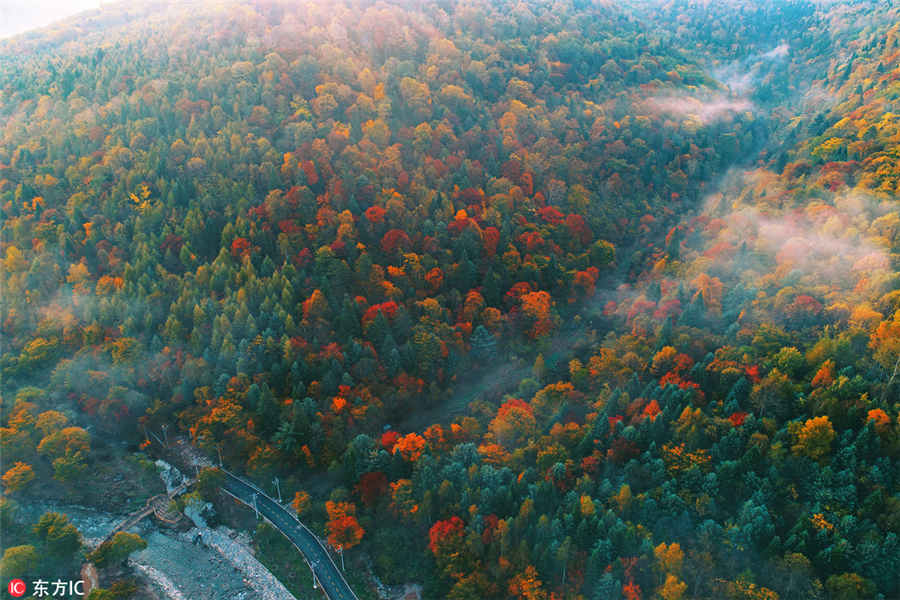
(571,300)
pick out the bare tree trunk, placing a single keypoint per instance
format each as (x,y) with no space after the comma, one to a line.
(891,380)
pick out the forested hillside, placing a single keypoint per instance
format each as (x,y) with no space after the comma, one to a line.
(590,300)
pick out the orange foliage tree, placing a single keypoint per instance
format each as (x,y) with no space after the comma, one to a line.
(527,586)
(343,529)
(410,447)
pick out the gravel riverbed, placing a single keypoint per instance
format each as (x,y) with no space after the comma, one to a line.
(182,570)
(221,567)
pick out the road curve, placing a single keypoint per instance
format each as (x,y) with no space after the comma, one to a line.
(326,572)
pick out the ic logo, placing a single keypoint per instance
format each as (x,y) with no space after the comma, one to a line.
(16,588)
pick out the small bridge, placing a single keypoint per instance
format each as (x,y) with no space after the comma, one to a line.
(158,506)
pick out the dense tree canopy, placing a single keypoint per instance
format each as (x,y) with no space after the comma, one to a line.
(582,300)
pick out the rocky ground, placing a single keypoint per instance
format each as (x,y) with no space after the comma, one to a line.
(177,565)
(181,569)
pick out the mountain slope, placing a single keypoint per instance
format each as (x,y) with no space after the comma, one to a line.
(280,228)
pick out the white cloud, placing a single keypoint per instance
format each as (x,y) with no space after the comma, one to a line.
(777,52)
(713,108)
(20,16)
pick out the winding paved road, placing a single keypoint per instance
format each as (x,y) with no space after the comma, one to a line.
(326,572)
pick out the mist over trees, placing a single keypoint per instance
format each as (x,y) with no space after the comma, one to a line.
(570,301)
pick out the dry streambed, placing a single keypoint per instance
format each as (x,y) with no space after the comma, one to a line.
(216,565)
